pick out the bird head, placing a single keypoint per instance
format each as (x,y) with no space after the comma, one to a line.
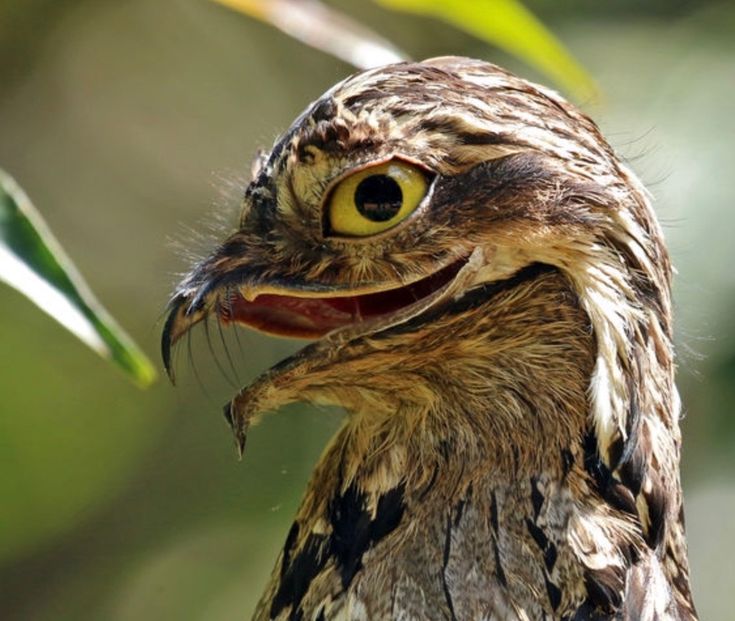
(412,192)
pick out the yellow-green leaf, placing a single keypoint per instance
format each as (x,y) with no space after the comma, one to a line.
(508,25)
(34,263)
(323,28)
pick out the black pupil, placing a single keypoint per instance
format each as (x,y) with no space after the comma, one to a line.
(378,197)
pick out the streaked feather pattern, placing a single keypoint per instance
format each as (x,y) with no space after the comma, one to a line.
(511,451)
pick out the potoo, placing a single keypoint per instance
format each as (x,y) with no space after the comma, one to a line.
(487,293)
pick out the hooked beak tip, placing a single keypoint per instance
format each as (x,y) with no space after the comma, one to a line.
(168,340)
(180,319)
(183,314)
(239,429)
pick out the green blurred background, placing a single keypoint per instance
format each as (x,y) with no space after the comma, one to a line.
(131,124)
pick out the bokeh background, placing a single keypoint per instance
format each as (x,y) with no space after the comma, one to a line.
(131,124)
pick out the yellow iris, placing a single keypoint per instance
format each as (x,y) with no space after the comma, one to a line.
(375,199)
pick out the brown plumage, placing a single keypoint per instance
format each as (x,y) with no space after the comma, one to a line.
(503,352)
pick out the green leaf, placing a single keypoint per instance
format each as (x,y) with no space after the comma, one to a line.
(323,28)
(508,25)
(34,263)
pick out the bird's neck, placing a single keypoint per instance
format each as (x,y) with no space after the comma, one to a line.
(482,460)
(490,426)
(502,401)
(483,485)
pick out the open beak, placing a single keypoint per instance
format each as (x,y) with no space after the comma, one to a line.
(304,311)
(333,316)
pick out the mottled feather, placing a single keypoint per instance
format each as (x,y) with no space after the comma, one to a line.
(511,450)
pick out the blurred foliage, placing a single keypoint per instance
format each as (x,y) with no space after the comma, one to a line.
(125,505)
(508,25)
(323,28)
(34,263)
(504,23)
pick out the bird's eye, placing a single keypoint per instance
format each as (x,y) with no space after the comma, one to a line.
(375,199)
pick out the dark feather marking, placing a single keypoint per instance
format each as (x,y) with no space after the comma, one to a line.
(612,490)
(459,508)
(550,554)
(617,494)
(325,136)
(297,576)
(499,572)
(350,531)
(553,592)
(458,513)
(537,498)
(482,139)
(543,542)
(445,562)
(323,110)
(593,463)
(621,497)
(495,183)
(353,530)
(605,587)
(633,471)
(538,535)
(293,534)
(494,514)
(657,505)
(362,97)
(524,175)
(588,612)
(615,452)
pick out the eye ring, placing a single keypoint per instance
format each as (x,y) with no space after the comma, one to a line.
(374,199)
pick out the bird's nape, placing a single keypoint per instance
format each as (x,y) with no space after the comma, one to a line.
(489,291)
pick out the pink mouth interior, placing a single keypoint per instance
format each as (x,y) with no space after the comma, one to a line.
(286,315)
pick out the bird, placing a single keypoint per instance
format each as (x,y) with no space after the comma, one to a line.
(486,292)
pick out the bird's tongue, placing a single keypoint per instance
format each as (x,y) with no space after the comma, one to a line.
(293,316)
